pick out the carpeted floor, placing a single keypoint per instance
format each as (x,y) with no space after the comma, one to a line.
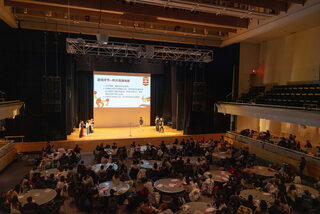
(13,174)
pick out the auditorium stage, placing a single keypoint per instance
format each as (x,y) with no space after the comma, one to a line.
(121,135)
(124,133)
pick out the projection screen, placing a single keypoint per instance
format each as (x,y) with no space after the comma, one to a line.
(120,99)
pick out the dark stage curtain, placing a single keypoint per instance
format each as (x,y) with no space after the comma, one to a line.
(83,96)
(157,97)
(217,76)
(70,94)
(161,96)
(189,121)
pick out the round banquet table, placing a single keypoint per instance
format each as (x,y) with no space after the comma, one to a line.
(148,164)
(194,207)
(178,147)
(193,160)
(169,185)
(105,187)
(301,188)
(257,195)
(48,172)
(111,151)
(262,170)
(221,155)
(217,175)
(205,145)
(97,167)
(143,148)
(39,196)
(51,155)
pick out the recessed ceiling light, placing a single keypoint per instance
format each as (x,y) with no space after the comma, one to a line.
(49,13)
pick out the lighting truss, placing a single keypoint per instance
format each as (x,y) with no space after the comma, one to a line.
(201,6)
(137,51)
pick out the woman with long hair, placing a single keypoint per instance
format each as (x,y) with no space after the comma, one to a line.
(15,206)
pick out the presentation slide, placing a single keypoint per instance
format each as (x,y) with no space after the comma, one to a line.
(120,99)
(112,90)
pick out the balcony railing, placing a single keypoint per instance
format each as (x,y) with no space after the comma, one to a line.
(294,154)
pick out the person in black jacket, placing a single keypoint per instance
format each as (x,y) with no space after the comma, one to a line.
(30,207)
(302,165)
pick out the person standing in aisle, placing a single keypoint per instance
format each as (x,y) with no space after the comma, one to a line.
(302,165)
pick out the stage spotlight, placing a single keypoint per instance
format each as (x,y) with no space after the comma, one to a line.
(70,49)
(176,28)
(102,38)
(81,41)
(49,13)
(191,66)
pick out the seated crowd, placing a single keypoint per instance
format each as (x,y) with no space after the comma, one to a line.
(189,161)
(288,142)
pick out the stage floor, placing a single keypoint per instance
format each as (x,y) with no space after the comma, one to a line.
(124,133)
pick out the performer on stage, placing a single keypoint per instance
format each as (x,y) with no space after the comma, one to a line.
(87,127)
(157,123)
(161,129)
(81,125)
(141,123)
(92,125)
(90,129)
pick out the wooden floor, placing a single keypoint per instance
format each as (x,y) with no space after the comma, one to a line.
(123,136)
(124,133)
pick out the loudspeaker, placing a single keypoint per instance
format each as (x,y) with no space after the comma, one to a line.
(199,98)
(51,93)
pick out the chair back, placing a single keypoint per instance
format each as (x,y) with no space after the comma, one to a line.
(244,210)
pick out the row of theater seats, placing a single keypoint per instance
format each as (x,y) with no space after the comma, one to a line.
(2,96)
(307,95)
(252,94)
(292,95)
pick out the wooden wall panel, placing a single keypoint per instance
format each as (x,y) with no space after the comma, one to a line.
(7,159)
(89,146)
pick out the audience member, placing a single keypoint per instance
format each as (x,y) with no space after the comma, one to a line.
(185,162)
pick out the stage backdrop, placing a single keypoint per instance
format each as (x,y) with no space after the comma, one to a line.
(120,99)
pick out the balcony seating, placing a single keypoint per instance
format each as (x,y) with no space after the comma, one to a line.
(292,95)
(252,94)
